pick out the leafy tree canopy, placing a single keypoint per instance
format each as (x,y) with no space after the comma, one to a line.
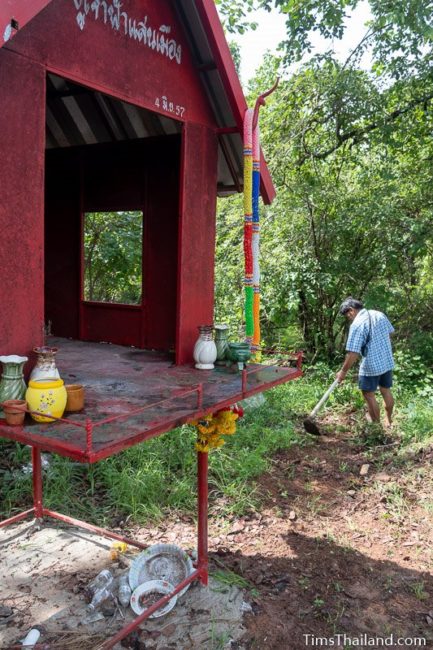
(353,215)
(400,34)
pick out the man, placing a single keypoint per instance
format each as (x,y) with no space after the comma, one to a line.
(369,337)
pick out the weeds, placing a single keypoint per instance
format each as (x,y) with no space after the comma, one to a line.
(304,582)
(418,590)
(219,640)
(396,503)
(228,578)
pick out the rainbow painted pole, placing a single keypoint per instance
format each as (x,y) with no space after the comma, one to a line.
(248,225)
(256,238)
(252,223)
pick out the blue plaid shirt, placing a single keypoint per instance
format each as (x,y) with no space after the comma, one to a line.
(379,353)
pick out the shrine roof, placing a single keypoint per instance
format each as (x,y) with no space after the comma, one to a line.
(215,65)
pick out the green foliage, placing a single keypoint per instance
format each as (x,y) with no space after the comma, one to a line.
(352,214)
(113,256)
(399,35)
(235,51)
(417,425)
(234,14)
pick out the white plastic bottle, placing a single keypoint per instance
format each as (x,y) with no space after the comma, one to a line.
(124,593)
(99,597)
(103,579)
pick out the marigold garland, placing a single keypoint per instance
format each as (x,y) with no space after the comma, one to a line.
(212,427)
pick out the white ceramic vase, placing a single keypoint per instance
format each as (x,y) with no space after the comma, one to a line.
(45,368)
(205,351)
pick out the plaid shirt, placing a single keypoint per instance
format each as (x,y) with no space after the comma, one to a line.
(379,355)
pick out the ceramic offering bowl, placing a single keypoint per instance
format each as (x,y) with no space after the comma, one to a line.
(239,353)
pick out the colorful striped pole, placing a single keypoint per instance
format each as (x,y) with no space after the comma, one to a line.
(256,239)
(252,223)
(248,225)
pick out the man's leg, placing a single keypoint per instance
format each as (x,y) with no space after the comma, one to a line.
(372,405)
(389,404)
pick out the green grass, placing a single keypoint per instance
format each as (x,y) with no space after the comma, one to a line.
(418,590)
(149,480)
(228,578)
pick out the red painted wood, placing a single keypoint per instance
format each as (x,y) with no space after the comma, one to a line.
(111,323)
(107,59)
(180,210)
(161,242)
(22,138)
(20,11)
(196,238)
(51,38)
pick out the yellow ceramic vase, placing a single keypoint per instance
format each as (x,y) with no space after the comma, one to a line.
(46,397)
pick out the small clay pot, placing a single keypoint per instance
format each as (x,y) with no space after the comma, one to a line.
(15,411)
(75,400)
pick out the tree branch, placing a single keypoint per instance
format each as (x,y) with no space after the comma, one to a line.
(356,135)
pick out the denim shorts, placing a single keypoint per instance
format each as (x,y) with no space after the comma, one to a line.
(369,384)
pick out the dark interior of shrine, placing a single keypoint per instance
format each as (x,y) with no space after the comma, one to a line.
(106,156)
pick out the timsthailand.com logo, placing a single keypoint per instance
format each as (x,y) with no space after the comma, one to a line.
(363,641)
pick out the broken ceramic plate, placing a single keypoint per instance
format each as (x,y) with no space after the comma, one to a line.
(161,562)
(148,593)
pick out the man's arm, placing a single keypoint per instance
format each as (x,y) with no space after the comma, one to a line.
(351,358)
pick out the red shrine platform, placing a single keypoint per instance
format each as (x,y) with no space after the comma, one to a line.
(133,395)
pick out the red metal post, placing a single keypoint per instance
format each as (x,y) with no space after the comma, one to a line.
(94,529)
(110,643)
(37,482)
(202,533)
(244,381)
(199,396)
(16,518)
(89,430)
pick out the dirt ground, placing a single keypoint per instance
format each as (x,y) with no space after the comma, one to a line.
(342,546)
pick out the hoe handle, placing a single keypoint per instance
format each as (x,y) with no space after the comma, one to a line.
(323,399)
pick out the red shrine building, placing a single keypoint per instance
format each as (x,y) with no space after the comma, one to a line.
(110,106)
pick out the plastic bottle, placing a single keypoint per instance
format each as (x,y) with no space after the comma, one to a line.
(125,592)
(99,597)
(102,580)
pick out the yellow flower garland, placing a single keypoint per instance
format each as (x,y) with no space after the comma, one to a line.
(212,427)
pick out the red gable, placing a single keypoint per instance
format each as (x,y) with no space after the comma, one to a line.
(203,35)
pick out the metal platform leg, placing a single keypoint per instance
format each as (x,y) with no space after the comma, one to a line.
(202,533)
(37,483)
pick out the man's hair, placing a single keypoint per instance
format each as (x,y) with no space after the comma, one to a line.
(350,303)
